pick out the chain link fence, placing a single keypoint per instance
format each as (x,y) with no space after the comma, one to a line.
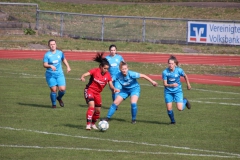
(112,28)
(15,17)
(96,27)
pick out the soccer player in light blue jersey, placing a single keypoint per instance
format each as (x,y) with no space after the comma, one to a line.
(114,60)
(173,87)
(55,78)
(130,87)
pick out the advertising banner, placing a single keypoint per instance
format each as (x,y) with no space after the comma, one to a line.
(214,32)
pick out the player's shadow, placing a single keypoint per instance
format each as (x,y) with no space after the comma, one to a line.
(86,106)
(83,105)
(105,107)
(35,105)
(139,121)
(116,119)
(75,126)
(153,122)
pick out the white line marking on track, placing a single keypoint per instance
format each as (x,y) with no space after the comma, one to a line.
(132,142)
(118,151)
(214,80)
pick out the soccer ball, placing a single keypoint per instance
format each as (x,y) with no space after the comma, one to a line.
(103,125)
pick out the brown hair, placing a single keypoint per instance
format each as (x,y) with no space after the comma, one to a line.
(173,58)
(50,41)
(113,45)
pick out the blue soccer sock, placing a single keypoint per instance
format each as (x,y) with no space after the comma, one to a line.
(184,103)
(53,97)
(113,96)
(134,110)
(171,115)
(60,94)
(111,110)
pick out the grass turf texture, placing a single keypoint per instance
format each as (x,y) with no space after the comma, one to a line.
(145,10)
(210,130)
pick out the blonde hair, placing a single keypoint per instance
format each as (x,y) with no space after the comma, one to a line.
(122,63)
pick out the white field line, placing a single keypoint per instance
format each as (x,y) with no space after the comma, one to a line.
(203,90)
(118,151)
(233,155)
(221,103)
(219,98)
(35,76)
(212,80)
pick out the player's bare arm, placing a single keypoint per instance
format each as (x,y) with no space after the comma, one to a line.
(67,65)
(149,79)
(187,81)
(84,75)
(169,85)
(46,65)
(112,87)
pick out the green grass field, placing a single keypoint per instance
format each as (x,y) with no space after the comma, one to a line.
(31,129)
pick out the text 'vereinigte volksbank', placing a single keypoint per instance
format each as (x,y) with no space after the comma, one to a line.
(233,38)
(214,32)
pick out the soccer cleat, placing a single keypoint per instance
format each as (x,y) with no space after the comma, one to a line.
(88,127)
(173,123)
(188,105)
(60,102)
(94,127)
(54,106)
(134,121)
(104,119)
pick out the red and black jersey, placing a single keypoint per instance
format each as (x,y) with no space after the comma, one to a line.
(98,81)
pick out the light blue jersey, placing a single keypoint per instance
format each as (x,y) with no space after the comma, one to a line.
(130,87)
(55,60)
(129,81)
(54,78)
(114,62)
(173,77)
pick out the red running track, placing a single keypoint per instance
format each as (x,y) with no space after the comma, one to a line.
(148,58)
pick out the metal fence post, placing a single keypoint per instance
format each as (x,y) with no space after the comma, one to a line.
(186,32)
(144,30)
(102,37)
(37,20)
(61,25)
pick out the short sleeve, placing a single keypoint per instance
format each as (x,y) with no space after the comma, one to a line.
(63,56)
(164,76)
(45,58)
(181,72)
(92,71)
(134,75)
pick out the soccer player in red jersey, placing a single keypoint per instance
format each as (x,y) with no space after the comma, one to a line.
(99,78)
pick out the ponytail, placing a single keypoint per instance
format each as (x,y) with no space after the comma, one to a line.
(172,57)
(99,58)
